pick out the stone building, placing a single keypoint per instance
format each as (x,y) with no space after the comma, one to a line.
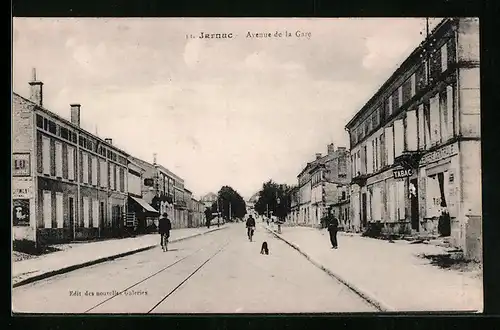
(318,185)
(67,183)
(416,144)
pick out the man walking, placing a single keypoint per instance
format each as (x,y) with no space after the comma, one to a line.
(333,226)
(164,226)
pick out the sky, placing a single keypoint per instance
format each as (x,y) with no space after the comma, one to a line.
(216,112)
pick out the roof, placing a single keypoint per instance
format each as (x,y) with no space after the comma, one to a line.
(72,125)
(144,204)
(408,61)
(168,172)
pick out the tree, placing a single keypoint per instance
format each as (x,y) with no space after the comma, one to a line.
(274,199)
(229,200)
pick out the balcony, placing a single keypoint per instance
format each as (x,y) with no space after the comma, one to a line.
(182,205)
(359,179)
(409,159)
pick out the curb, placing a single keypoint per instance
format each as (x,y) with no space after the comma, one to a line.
(100,260)
(368,297)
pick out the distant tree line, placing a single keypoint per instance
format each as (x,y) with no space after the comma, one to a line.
(274,199)
(228,200)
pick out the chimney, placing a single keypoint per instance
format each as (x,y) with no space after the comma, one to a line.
(36,90)
(331,148)
(318,155)
(108,140)
(75,114)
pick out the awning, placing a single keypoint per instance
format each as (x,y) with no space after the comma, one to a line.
(144,204)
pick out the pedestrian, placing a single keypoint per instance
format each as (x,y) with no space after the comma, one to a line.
(250,224)
(164,226)
(333,226)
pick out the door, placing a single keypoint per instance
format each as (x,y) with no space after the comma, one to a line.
(101,214)
(414,205)
(363,210)
(71,210)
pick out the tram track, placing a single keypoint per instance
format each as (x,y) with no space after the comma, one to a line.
(158,272)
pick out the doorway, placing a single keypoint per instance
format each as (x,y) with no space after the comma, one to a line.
(414,205)
(71,211)
(363,209)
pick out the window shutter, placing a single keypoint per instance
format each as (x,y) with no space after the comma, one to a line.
(411,130)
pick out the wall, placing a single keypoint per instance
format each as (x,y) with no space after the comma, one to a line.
(23,188)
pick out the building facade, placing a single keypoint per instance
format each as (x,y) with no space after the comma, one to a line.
(68,184)
(416,144)
(209,199)
(140,214)
(318,185)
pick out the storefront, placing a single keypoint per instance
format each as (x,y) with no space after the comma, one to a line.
(439,184)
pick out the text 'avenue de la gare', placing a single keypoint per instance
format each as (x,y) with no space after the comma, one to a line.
(254,35)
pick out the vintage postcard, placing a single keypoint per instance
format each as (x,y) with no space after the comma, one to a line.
(210,165)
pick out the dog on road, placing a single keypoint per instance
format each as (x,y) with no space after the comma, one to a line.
(264,248)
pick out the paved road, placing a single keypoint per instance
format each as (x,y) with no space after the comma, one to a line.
(221,272)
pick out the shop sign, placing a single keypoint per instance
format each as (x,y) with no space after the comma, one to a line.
(444,152)
(21,212)
(22,188)
(21,164)
(404,173)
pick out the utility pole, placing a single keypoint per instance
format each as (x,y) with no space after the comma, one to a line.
(229,211)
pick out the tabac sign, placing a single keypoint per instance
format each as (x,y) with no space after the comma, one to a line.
(404,173)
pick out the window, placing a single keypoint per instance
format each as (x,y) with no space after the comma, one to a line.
(389,143)
(39,121)
(52,127)
(420,76)
(86,212)
(95,213)
(122,179)
(94,171)
(369,158)
(421,127)
(436,193)
(413,85)
(411,130)
(64,133)
(427,126)
(117,178)
(400,96)
(389,106)
(395,101)
(104,173)
(443,116)
(435,64)
(59,159)
(406,93)
(47,209)
(383,159)
(375,119)
(444,57)
(112,176)
(71,163)
(85,167)
(434,120)
(398,137)
(46,155)
(376,156)
(59,210)
(450,110)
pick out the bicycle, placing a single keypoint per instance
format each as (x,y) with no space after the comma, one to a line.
(250,232)
(164,242)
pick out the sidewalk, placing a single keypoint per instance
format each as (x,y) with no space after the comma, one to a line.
(79,255)
(390,275)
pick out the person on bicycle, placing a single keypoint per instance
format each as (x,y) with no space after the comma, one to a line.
(250,227)
(164,226)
